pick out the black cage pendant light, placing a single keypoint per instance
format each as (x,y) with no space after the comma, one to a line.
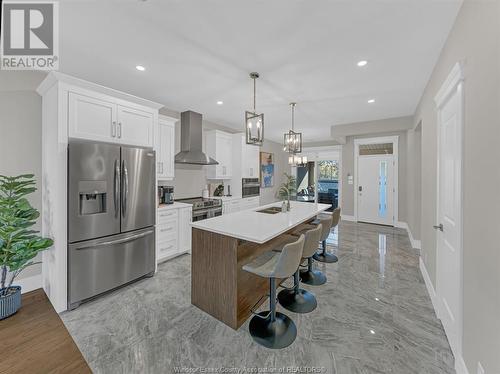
(292,141)
(254,123)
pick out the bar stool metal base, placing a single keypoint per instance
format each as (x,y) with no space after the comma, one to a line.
(276,334)
(325,257)
(312,277)
(301,301)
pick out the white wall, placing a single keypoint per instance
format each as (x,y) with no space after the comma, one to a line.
(268,195)
(21,144)
(474,41)
(414,180)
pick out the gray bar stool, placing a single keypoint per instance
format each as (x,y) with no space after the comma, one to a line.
(297,299)
(311,276)
(273,329)
(329,222)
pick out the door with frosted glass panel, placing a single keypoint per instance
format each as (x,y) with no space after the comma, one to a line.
(376,189)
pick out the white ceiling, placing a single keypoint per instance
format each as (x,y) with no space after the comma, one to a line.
(199,51)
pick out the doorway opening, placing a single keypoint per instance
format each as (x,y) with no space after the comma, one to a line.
(319,180)
(376,187)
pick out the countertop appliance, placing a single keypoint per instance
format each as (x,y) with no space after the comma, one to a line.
(250,187)
(204,208)
(111,217)
(168,194)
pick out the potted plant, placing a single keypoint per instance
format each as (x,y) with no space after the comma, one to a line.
(19,245)
(287,188)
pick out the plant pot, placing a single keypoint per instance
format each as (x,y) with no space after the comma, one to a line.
(11,303)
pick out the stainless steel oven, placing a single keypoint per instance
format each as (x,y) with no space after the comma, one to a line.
(201,214)
(204,208)
(250,187)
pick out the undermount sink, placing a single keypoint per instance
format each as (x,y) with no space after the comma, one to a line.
(270,210)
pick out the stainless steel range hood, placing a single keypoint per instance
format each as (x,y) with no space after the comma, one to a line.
(191,141)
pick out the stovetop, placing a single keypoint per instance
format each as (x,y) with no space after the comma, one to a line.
(200,202)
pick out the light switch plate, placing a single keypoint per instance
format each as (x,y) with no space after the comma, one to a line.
(480,369)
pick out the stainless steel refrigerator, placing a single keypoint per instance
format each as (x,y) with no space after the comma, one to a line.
(111,217)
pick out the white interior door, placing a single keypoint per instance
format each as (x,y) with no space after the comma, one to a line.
(375,195)
(449,242)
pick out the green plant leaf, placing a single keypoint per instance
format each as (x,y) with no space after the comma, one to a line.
(19,244)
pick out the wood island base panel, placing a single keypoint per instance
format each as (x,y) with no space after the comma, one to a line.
(219,285)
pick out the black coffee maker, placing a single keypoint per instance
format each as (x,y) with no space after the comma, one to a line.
(166,194)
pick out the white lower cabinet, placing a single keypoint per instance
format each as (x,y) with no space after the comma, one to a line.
(185,218)
(237,205)
(173,232)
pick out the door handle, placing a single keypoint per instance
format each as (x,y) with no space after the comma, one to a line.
(119,130)
(438,227)
(117,187)
(113,129)
(124,188)
(117,241)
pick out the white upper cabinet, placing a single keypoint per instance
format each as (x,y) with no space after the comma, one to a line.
(90,118)
(219,145)
(165,148)
(134,126)
(250,160)
(104,118)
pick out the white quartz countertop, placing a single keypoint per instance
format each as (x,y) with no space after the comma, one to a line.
(261,227)
(226,198)
(175,205)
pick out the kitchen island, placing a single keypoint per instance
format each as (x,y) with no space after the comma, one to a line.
(222,245)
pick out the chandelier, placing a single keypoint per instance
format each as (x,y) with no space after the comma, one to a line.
(292,141)
(295,160)
(254,123)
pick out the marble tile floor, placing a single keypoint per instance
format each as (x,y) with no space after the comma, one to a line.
(374,316)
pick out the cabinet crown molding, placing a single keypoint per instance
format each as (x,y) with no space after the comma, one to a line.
(56,77)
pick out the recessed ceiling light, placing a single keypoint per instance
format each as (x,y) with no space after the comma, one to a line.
(377,299)
(372,332)
(220,102)
(371,101)
(362,63)
(140,68)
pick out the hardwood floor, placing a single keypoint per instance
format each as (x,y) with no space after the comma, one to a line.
(35,340)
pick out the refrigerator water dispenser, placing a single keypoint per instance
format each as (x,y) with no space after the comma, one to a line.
(92,197)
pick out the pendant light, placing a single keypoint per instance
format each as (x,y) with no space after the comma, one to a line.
(254,123)
(292,141)
(295,160)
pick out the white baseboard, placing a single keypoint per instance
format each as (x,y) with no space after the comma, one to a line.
(414,243)
(401,225)
(29,283)
(430,287)
(347,218)
(460,366)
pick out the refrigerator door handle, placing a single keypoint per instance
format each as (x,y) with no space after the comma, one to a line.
(117,241)
(117,188)
(124,188)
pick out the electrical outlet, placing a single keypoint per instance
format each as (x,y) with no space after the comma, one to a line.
(480,369)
